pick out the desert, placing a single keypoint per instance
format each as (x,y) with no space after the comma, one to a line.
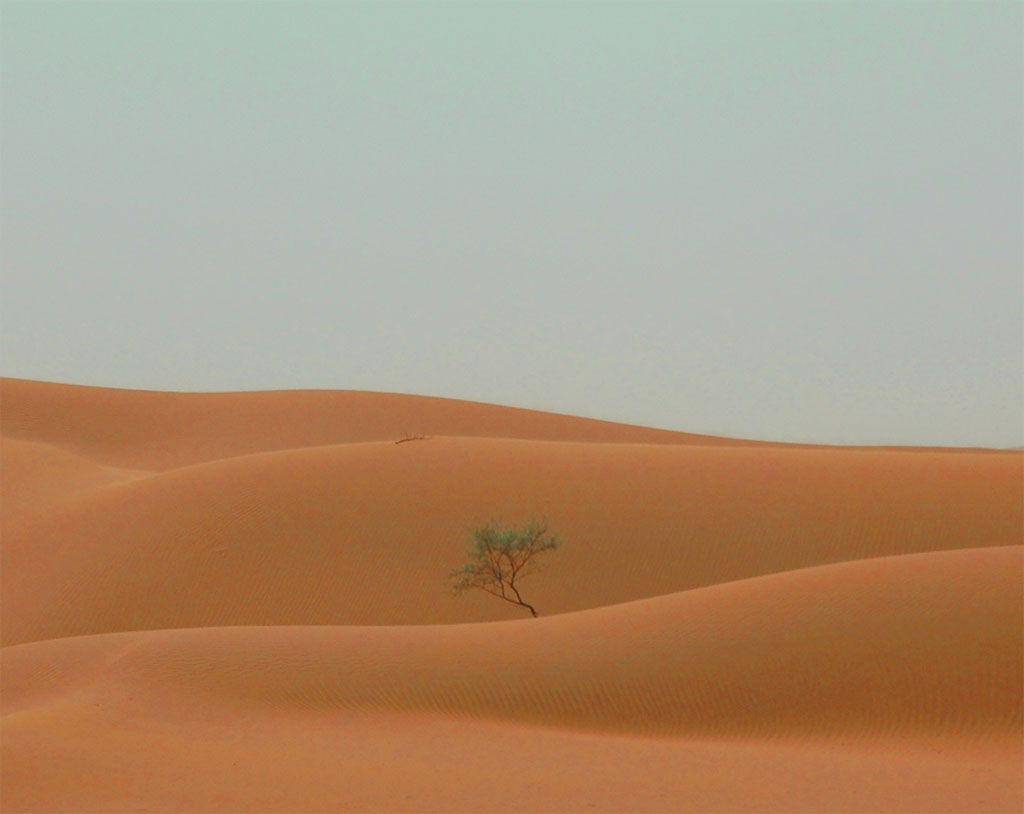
(236,602)
(460,407)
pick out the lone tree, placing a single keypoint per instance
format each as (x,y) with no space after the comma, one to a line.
(499,557)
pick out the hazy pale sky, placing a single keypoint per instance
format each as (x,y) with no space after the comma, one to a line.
(788,221)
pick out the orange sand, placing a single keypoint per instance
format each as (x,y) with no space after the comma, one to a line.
(236,602)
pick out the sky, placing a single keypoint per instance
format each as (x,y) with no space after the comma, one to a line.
(773,220)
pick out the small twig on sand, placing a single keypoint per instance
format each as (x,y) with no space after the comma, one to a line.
(408,437)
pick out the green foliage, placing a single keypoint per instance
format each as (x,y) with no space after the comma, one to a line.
(500,556)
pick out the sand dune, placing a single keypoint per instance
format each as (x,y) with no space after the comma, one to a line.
(289,537)
(37,477)
(247,591)
(919,650)
(923,643)
(140,429)
(83,758)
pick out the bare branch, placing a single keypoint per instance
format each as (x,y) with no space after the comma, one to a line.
(408,437)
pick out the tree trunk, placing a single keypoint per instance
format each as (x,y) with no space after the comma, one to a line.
(529,608)
(526,605)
